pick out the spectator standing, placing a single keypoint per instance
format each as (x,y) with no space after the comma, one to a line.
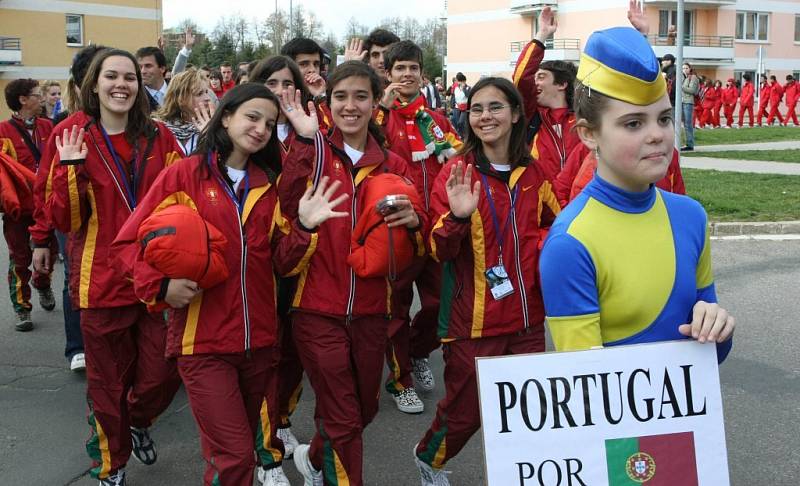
(689,88)
(153,64)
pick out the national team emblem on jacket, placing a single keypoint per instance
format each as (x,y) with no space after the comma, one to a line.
(213,195)
(337,167)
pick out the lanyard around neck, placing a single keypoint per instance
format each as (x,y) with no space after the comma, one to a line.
(501,234)
(238,202)
(128,177)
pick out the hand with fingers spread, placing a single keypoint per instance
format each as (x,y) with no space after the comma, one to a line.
(390,94)
(546,25)
(70,144)
(355,50)
(462,195)
(306,125)
(202,115)
(316,206)
(180,291)
(316,84)
(160,43)
(405,215)
(189,39)
(710,323)
(637,17)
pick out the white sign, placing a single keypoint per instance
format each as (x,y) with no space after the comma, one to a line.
(647,414)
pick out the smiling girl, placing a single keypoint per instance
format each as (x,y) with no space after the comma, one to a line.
(225,338)
(108,160)
(627,262)
(339,319)
(187,108)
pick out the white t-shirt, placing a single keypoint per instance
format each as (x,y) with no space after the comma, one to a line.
(355,155)
(235,175)
(501,167)
(283,131)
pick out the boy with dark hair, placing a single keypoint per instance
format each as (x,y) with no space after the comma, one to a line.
(308,56)
(746,100)
(22,138)
(792,91)
(226,70)
(764,92)
(424,139)
(375,45)
(153,64)
(775,98)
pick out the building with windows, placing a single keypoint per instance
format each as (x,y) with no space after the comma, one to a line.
(723,38)
(38,38)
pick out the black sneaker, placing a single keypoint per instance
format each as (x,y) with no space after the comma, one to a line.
(24,323)
(143,447)
(46,299)
(116,479)
(687,148)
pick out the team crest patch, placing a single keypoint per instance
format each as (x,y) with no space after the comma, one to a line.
(212,194)
(640,467)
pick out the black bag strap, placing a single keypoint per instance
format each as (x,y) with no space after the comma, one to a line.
(167,230)
(28,141)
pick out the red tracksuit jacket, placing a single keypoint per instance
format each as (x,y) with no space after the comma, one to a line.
(748,91)
(792,92)
(13,144)
(240,313)
(90,203)
(468,248)
(710,99)
(422,173)
(554,139)
(328,285)
(729,95)
(775,94)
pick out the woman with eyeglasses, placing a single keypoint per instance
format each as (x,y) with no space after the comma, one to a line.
(487,208)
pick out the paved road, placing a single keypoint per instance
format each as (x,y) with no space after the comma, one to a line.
(42,425)
(785,145)
(732,165)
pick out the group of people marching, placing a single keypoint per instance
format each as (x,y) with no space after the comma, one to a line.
(215,246)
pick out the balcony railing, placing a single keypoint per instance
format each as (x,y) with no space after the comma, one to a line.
(10,51)
(517,46)
(694,3)
(530,7)
(724,41)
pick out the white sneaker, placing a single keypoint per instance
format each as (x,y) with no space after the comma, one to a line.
(302,462)
(78,362)
(290,442)
(423,376)
(428,475)
(273,477)
(408,402)
(116,479)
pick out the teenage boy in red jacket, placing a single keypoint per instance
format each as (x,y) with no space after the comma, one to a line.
(764,91)
(775,98)
(425,140)
(746,100)
(729,96)
(23,138)
(792,91)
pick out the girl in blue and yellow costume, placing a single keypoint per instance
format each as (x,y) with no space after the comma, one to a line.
(626,262)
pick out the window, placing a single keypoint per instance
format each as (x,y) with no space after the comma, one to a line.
(668,18)
(797,28)
(753,26)
(74,30)
(737,75)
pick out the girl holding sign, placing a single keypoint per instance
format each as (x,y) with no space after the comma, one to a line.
(626,262)
(488,206)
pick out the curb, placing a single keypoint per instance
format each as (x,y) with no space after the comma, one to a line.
(755,228)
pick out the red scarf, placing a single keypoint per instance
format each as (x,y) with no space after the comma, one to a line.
(424,136)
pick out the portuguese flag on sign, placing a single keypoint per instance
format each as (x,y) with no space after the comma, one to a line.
(653,460)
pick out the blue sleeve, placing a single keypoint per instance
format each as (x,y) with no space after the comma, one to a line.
(569,282)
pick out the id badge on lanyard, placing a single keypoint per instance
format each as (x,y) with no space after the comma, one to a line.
(497,276)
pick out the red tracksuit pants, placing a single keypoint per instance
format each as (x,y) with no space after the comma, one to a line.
(774,112)
(742,110)
(458,413)
(225,392)
(344,361)
(20,257)
(791,114)
(129,382)
(290,386)
(762,111)
(417,338)
(729,115)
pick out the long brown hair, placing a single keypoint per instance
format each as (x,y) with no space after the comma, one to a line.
(518,151)
(139,123)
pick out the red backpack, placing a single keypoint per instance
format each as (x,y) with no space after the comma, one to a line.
(377,250)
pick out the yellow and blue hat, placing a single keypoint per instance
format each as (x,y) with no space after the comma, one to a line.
(619,63)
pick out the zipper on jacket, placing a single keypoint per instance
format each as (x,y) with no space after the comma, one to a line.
(352,295)
(425,185)
(243,276)
(523,296)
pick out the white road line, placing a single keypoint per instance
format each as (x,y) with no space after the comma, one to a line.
(757,237)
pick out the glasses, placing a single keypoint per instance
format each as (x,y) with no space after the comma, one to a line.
(494,109)
(35,95)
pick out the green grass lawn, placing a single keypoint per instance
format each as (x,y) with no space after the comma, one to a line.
(790,155)
(722,136)
(736,196)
